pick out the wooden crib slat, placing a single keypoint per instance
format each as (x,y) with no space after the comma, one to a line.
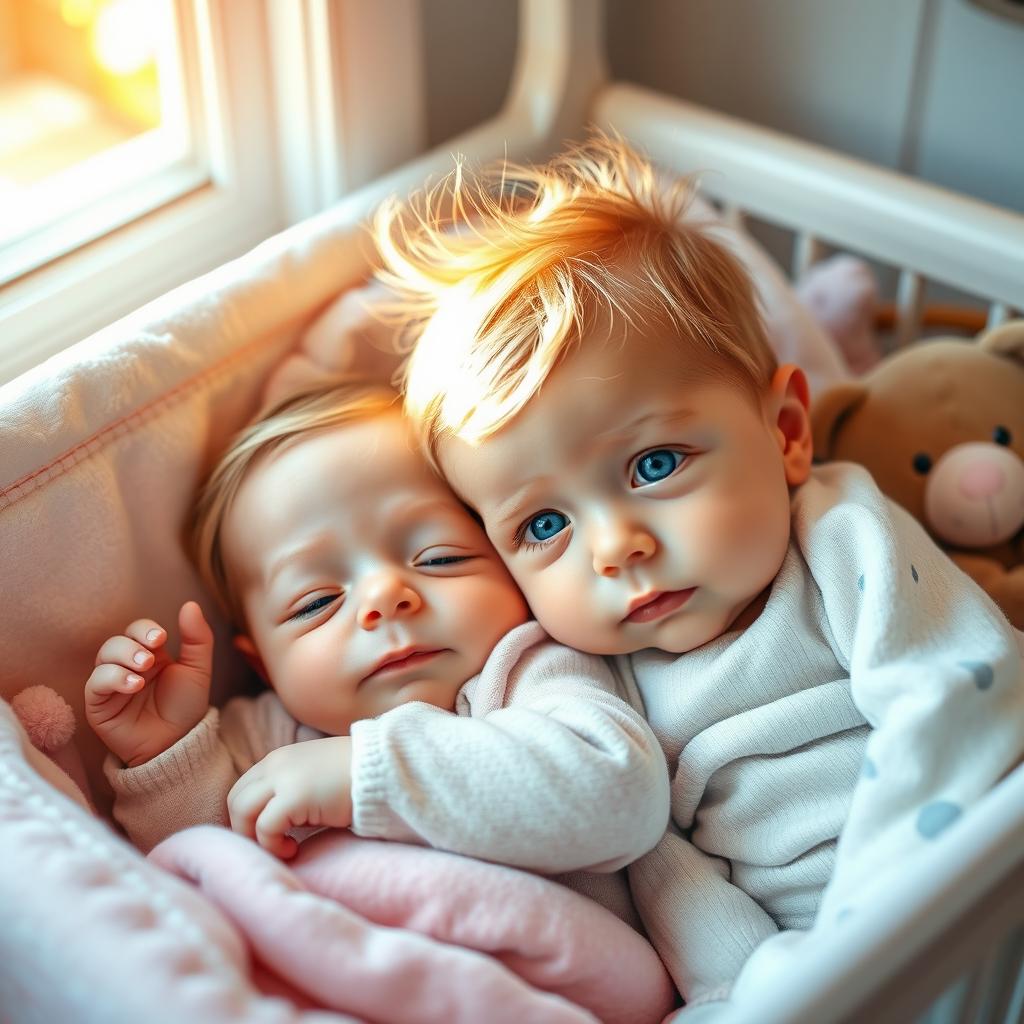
(909,304)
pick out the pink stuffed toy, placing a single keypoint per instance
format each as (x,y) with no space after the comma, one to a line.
(49,723)
(842,295)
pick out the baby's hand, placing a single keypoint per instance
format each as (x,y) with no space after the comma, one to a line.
(139,701)
(308,783)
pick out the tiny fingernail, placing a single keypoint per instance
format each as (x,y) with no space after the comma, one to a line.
(153,635)
(141,657)
(134,680)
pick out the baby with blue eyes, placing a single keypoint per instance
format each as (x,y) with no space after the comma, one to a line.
(411,695)
(592,376)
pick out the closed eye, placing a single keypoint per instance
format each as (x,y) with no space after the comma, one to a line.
(442,560)
(307,611)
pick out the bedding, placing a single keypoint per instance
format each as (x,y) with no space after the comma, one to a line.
(101,449)
(212,928)
(394,932)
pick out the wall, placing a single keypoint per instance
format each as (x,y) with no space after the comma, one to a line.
(470,49)
(931,87)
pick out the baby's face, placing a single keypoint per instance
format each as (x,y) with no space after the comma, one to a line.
(634,508)
(364,582)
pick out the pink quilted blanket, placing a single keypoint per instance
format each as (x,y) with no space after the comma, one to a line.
(397,933)
(212,930)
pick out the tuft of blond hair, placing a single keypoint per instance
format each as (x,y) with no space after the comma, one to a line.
(331,404)
(501,273)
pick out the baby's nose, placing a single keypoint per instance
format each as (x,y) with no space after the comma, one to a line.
(619,548)
(385,600)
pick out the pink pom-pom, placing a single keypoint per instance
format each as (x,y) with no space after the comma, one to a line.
(46,716)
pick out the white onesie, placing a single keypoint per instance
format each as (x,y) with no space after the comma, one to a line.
(876,697)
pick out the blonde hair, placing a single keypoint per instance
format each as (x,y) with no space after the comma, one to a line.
(329,405)
(499,276)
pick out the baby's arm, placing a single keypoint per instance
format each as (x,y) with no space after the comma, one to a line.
(703,927)
(188,784)
(552,771)
(936,670)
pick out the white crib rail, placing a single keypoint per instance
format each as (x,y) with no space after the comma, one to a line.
(925,231)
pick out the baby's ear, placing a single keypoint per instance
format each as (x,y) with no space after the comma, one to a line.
(247,649)
(793,422)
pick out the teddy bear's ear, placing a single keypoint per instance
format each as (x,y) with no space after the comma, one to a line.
(1007,340)
(829,411)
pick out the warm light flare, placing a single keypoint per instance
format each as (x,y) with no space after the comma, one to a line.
(122,37)
(77,13)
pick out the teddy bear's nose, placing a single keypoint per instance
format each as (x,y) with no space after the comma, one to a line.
(981,479)
(974,495)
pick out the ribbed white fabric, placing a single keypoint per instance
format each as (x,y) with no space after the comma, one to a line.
(877,696)
(544,766)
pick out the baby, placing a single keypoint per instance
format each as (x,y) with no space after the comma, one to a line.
(592,375)
(374,606)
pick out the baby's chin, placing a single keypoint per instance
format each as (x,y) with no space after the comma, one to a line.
(669,637)
(439,693)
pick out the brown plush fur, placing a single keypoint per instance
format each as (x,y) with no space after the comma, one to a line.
(927,399)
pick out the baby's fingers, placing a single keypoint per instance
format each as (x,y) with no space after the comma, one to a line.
(196,650)
(255,811)
(248,796)
(108,679)
(271,826)
(126,652)
(148,633)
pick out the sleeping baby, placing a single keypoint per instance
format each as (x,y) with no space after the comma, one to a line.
(430,707)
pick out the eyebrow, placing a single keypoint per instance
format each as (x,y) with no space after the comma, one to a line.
(295,552)
(424,506)
(407,512)
(512,508)
(664,418)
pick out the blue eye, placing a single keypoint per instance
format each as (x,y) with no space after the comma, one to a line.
(544,527)
(656,465)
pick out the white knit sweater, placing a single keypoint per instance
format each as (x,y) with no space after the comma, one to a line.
(544,766)
(874,699)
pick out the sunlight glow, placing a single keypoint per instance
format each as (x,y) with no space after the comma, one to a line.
(122,37)
(77,13)
(93,123)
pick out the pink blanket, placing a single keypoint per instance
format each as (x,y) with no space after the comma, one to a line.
(398,933)
(210,929)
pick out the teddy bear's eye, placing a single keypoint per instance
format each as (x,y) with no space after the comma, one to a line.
(1001,436)
(922,463)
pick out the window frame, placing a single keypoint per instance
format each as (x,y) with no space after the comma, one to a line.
(313,69)
(205,214)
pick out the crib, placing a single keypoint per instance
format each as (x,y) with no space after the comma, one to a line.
(102,446)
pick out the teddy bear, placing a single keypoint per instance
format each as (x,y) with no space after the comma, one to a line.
(940,425)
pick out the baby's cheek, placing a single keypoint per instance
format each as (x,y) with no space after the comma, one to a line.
(496,605)
(560,600)
(749,541)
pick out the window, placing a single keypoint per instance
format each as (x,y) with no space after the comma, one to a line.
(191,130)
(94,128)
(137,150)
